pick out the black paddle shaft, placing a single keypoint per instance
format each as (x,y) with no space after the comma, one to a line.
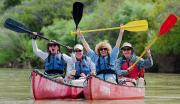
(20,28)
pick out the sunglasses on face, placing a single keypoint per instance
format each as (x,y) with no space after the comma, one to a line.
(101,49)
(78,50)
(126,49)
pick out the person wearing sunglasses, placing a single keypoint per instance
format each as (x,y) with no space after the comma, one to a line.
(123,64)
(55,61)
(104,57)
(83,65)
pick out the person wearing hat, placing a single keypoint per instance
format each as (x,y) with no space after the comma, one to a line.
(55,61)
(104,57)
(123,64)
(83,64)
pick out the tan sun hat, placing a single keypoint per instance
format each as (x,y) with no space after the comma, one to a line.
(126,44)
(78,46)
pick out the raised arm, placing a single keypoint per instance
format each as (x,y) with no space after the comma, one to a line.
(82,39)
(143,63)
(118,42)
(149,60)
(37,51)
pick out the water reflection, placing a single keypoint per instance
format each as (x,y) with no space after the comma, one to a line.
(90,102)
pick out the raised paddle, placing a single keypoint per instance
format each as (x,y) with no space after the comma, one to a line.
(135,26)
(20,28)
(77,15)
(165,27)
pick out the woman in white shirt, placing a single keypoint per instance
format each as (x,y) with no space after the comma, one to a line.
(55,61)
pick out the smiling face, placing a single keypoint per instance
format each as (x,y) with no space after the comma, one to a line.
(103,51)
(78,53)
(127,52)
(103,48)
(53,48)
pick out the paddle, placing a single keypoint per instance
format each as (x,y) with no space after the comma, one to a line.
(20,28)
(165,27)
(135,26)
(77,15)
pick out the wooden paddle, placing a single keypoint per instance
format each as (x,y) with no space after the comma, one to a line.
(20,28)
(135,26)
(165,27)
(77,15)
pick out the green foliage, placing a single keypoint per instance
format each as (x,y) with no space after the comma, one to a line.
(169,44)
(9,46)
(11,3)
(60,31)
(36,14)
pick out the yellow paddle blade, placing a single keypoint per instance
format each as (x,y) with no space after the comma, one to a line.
(140,25)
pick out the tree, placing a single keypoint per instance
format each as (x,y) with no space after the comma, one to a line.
(11,3)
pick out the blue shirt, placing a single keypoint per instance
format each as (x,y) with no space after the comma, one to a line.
(104,64)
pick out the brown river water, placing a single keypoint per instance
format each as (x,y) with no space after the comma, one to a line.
(160,89)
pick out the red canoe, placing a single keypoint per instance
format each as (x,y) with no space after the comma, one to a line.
(98,89)
(44,88)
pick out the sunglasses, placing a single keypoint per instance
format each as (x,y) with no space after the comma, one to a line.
(101,49)
(126,49)
(78,50)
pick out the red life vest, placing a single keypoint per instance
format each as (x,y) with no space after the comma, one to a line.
(135,73)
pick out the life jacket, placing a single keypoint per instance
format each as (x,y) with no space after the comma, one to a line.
(135,72)
(55,64)
(82,67)
(103,65)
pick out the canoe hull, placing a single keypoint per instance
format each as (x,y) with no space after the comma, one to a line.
(98,89)
(44,88)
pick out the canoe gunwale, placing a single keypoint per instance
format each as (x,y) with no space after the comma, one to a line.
(46,77)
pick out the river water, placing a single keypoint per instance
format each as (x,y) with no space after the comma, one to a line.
(160,89)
